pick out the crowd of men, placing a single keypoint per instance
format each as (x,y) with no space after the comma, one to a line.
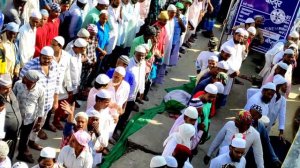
(110,53)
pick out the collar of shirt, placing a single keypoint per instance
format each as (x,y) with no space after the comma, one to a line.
(81,155)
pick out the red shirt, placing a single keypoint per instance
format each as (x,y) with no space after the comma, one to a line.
(213,103)
(52,29)
(41,40)
(161,38)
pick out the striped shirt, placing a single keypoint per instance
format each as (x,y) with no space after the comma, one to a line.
(50,82)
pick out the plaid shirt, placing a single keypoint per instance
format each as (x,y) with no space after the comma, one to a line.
(50,82)
(91,49)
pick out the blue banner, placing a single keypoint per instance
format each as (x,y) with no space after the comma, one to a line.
(279,16)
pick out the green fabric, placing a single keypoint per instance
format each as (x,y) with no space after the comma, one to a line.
(91,18)
(206,111)
(188,87)
(139,41)
(174,106)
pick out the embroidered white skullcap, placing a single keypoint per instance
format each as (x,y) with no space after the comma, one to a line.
(20,165)
(187,165)
(60,40)
(12,26)
(146,46)
(246,34)
(48,152)
(171,161)
(103,2)
(283,65)
(103,12)
(293,46)
(32,75)
(82,1)
(241,31)
(213,58)
(4,149)
(158,161)
(249,20)
(47,51)
(186,130)
(93,113)
(265,120)
(289,51)
(269,85)
(294,34)
(125,59)
(80,42)
(83,33)
(191,112)
(103,94)
(140,49)
(81,114)
(252,30)
(229,50)
(36,14)
(279,80)
(121,70)
(220,87)
(211,88)
(44,12)
(223,65)
(102,79)
(171,7)
(238,142)
(196,102)
(5,80)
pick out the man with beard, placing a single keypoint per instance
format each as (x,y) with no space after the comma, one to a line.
(235,60)
(262,98)
(13,119)
(259,38)
(92,16)
(234,156)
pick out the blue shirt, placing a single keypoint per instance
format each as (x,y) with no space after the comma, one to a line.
(103,35)
(201,85)
(177,30)
(43,3)
(129,78)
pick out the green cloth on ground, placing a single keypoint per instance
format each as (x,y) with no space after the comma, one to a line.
(174,106)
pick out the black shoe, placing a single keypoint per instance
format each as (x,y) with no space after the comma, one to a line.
(135,108)
(238,82)
(191,40)
(194,36)
(146,98)
(182,51)
(139,101)
(277,164)
(208,34)
(187,45)
(25,158)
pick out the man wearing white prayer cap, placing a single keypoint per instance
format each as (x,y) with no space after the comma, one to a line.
(223,66)
(158,162)
(11,120)
(47,158)
(171,162)
(220,87)
(207,65)
(19,165)
(294,36)
(234,156)
(82,33)
(252,32)
(249,20)
(92,16)
(101,82)
(4,159)
(27,37)
(49,81)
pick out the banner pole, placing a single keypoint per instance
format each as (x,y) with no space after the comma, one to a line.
(226,23)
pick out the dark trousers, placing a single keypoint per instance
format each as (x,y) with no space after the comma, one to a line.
(47,121)
(12,142)
(124,117)
(24,136)
(147,87)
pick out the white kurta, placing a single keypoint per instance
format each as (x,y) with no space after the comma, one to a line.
(202,59)
(75,69)
(26,38)
(119,96)
(29,7)
(95,144)
(114,19)
(225,158)
(277,109)
(2,123)
(139,72)
(256,99)
(67,158)
(234,62)
(168,47)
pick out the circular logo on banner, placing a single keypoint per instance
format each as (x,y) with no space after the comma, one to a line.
(277,16)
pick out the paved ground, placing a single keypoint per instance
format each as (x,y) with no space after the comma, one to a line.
(150,144)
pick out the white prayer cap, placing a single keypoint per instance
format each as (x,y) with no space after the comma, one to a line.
(5,80)
(4,149)
(121,70)
(32,75)
(249,20)
(294,34)
(102,79)
(187,165)
(60,40)
(186,130)
(283,65)
(279,80)
(196,102)
(140,49)
(252,30)
(20,165)
(229,50)
(124,59)
(211,88)
(83,33)
(103,94)
(289,51)
(12,26)
(80,42)
(293,46)
(213,58)
(44,12)
(238,142)
(93,113)
(172,7)
(146,46)
(158,161)
(220,87)
(258,16)
(103,12)
(103,2)
(47,51)
(241,31)
(223,65)
(171,161)
(269,85)
(48,152)
(36,14)
(191,112)
(81,114)
(246,34)
(265,120)
(82,1)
